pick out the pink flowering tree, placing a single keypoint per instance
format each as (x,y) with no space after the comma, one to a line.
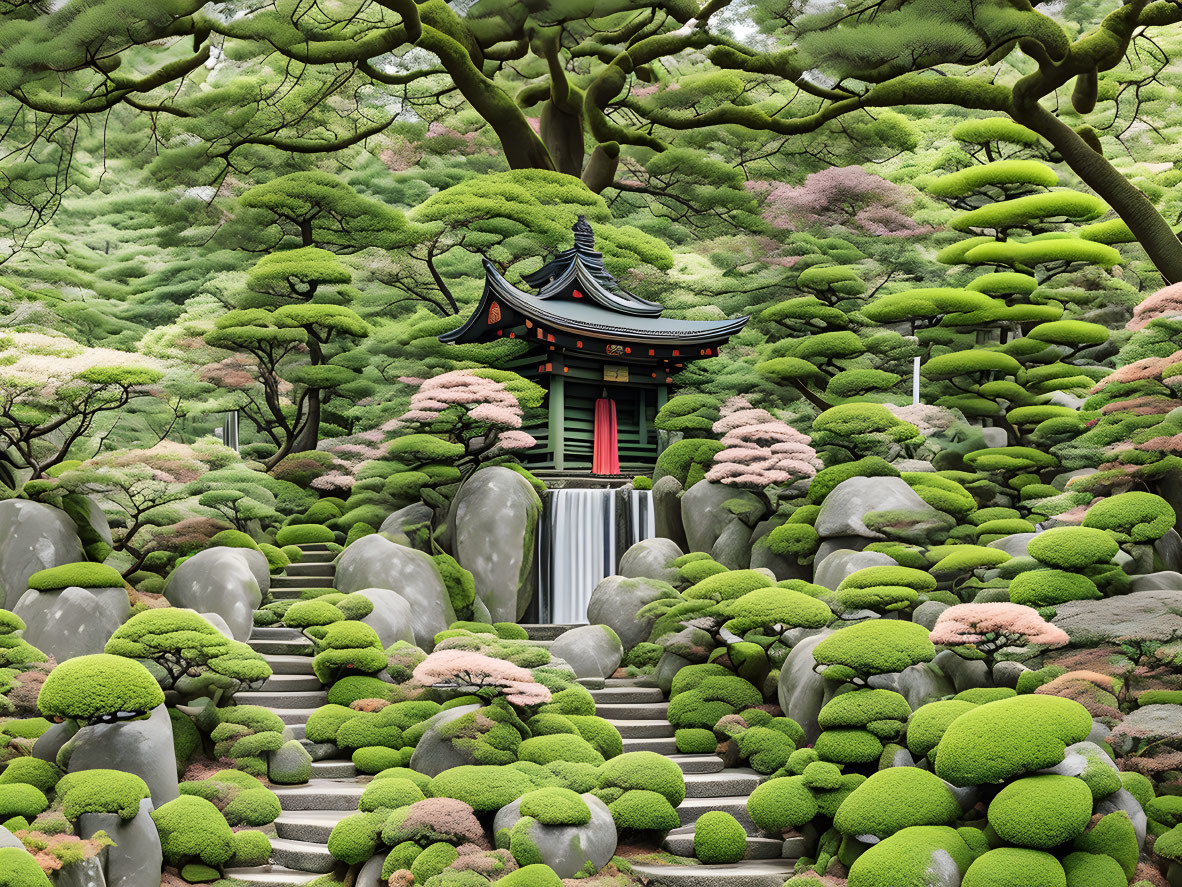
(473,674)
(1165,303)
(990,629)
(761,453)
(845,196)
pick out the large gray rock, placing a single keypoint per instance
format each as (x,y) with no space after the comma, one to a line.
(705,516)
(918,684)
(82,873)
(1123,800)
(410,526)
(733,548)
(762,557)
(496,516)
(616,601)
(965,674)
(50,742)
(928,612)
(1169,550)
(1163,580)
(74,621)
(135,859)
(592,651)
(801,691)
(392,616)
(433,754)
(33,537)
(290,765)
(667,668)
(651,559)
(8,839)
(839,543)
(225,581)
(667,510)
(1148,725)
(1145,615)
(841,563)
(141,747)
(371,873)
(568,849)
(1014,545)
(845,508)
(375,562)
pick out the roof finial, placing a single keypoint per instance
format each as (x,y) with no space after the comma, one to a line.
(584,236)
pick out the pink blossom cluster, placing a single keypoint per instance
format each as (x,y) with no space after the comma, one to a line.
(839,195)
(1166,302)
(484,401)
(926,417)
(995,626)
(760,450)
(462,669)
(1138,370)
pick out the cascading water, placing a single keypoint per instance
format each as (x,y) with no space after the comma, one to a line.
(583,534)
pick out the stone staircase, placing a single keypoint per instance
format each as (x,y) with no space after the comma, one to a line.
(634,707)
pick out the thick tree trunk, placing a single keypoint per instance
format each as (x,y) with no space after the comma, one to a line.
(562,133)
(1130,203)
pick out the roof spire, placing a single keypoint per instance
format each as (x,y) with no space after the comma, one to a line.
(584,236)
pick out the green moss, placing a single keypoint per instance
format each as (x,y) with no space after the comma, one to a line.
(1090,870)
(21,869)
(894,799)
(432,861)
(1015,867)
(1009,738)
(558,747)
(376,758)
(19,799)
(324,723)
(848,746)
(780,804)
(687,460)
(766,749)
(644,770)
(356,838)
(878,646)
(868,577)
(719,838)
(643,810)
(599,733)
(193,830)
(1132,517)
(579,778)
(695,741)
(1041,811)
(389,794)
(401,858)
(555,806)
(712,699)
(348,690)
(1048,588)
(32,771)
(536,875)
(251,848)
(304,534)
(101,791)
(981,695)
(1115,836)
(906,857)
(828,478)
(861,707)
(727,586)
(482,788)
(99,687)
(422,780)
(1073,548)
(233,539)
(767,607)
(82,575)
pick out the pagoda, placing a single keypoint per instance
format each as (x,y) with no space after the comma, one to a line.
(605,356)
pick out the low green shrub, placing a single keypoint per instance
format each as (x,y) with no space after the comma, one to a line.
(483,788)
(894,799)
(1048,588)
(1015,867)
(101,791)
(558,747)
(98,688)
(555,806)
(304,534)
(719,838)
(193,830)
(780,804)
(643,810)
(82,575)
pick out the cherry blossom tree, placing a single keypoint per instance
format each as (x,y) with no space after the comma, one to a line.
(484,676)
(848,196)
(761,451)
(992,628)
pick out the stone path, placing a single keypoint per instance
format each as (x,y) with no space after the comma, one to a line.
(636,708)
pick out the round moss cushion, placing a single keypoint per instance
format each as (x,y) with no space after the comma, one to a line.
(719,839)
(1041,811)
(1015,867)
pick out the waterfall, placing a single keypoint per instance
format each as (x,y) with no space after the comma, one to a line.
(583,533)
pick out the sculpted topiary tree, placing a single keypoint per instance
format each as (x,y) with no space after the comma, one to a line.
(99,689)
(853,431)
(988,630)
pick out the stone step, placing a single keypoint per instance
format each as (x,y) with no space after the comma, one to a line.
(287,665)
(282,648)
(330,769)
(680,842)
(297,731)
(643,711)
(697,763)
(545,631)
(661,745)
(310,568)
(302,856)
(643,729)
(317,557)
(749,873)
(282,701)
(735,782)
(294,716)
(320,794)
(282,633)
(627,695)
(313,826)
(691,808)
(280,682)
(271,876)
(312,546)
(301,581)
(286,594)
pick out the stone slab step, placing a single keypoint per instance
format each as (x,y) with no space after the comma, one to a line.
(297,731)
(736,782)
(293,716)
(280,647)
(691,808)
(302,856)
(286,594)
(283,700)
(261,633)
(316,557)
(320,794)
(288,665)
(638,729)
(681,843)
(749,873)
(627,695)
(639,711)
(312,546)
(545,631)
(331,769)
(280,682)
(661,745)
(697,763)
(310,568)
(313,826)
(271,876)
(301,581)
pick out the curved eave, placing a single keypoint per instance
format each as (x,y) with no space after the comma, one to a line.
(590,285)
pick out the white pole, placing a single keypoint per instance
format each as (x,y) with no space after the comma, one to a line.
(915,382)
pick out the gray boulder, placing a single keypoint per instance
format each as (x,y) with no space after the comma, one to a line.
(1145,615)
(433,754)
(74,621)
(496,515)
(392,616)
(1014,545)
(1163,580)
(290,765)
(667,510)
(1150,724)
(410,525)
(1123,800)
(33,537)
(733,548)
(616,601)
(225,581)
(651,559)
(50,742)
(141,747)
(82,873)
(136,858)
(845,508)
(1006,674)
(801,691)
(928,612)
(705,516)
(217,622)
(841,563)
(965,674)
(839,543)
(375,562)
(592,651)
(371,873)
(1169,550)
(8,839)
(568,849)
(918,684)
(667,668)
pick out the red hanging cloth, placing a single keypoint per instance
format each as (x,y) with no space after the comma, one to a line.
(606,458)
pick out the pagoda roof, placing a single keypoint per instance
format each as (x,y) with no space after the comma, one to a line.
(577,295)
